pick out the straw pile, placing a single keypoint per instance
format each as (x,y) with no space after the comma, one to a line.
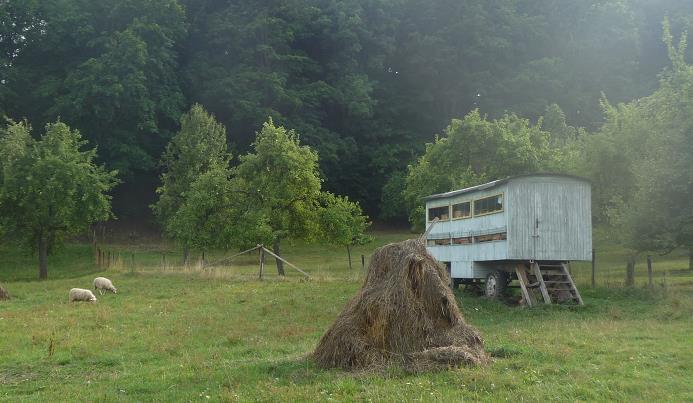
(405,313)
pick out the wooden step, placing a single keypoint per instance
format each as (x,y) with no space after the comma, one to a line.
(553,281)
(552,272)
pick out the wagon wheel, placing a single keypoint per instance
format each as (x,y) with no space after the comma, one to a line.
(496,284)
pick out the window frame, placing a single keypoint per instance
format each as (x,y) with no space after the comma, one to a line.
(452,210)
(428,215)
(502,195)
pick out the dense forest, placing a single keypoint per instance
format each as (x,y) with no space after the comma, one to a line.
(365,82)
(523,85)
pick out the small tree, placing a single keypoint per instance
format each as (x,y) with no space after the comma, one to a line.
(342,222)
(204,221)
(50,188)
(278,187)
(199,145)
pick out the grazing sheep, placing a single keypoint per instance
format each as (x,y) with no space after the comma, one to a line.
(80,294)
(102,283)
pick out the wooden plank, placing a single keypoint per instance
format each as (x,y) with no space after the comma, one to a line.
(232,256)
(290,264)
(542,285)
(521,272)
(572,284)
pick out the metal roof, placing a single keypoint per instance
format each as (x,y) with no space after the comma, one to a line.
(493,184)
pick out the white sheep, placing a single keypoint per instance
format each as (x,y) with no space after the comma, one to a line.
(102,283)
(80,294)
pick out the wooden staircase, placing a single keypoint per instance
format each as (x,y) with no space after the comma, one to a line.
(552,281)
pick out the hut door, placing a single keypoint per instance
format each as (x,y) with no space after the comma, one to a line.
(549,214)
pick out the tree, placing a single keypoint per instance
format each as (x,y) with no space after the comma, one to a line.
(199,146)
(392,204)
(110,69)
(278,187)
(50,187)
(203,220)
(475,150)
(342,222)
(660,218)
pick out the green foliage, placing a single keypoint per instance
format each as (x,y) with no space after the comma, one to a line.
(392,205)
(199,146)
(50,187)
(473,151)
(278,187)
(640,162)
(203,221)
(342,222)
(108,68)
(660,217)
(366,82)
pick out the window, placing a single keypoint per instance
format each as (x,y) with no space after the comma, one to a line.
(501,236)
(441,213)
(438,242)
(488,205)
(462,241)
(461,210)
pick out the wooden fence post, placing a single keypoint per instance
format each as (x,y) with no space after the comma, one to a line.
(363,263)
(649,271)
(630,272)
(262,261)
(594,268)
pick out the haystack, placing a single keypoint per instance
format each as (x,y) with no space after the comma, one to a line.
(405,313)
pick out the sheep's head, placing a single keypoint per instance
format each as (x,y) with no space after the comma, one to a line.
(115,290)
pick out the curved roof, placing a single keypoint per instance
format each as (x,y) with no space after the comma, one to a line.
(493,184)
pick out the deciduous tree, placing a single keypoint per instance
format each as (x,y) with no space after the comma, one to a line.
(279,189)
(50,188)
(198,147)
(342,222)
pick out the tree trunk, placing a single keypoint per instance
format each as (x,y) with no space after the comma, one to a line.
(186,254)
(280,264)
(349,254)
(3,293)
(43,257)
(690,258)
(630,272)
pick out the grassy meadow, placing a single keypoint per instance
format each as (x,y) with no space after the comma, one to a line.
(219,334)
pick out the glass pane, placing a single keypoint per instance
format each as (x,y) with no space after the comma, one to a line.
(488,205)
(442,213)
(461,210)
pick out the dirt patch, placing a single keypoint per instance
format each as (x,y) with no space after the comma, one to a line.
(406,314)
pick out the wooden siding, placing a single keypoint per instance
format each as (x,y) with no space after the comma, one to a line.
(481,225)
(549,218)
(559,205)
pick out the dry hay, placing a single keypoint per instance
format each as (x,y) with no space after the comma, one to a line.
(405,313)
(3,293)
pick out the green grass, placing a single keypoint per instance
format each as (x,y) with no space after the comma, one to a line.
(182,335)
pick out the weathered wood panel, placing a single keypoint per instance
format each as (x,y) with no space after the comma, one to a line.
(545,217)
